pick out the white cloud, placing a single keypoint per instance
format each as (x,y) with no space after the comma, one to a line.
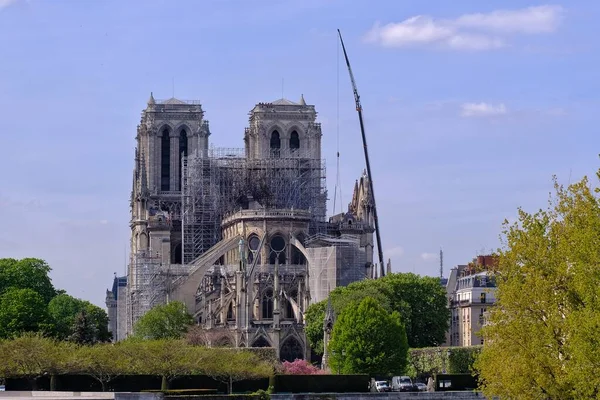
(394,252)
(531,20)
(475,32)
(6,3)
(429,256)
(482,110)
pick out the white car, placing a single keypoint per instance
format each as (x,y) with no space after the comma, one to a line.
(382,386)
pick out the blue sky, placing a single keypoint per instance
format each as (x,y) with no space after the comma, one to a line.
(470,108)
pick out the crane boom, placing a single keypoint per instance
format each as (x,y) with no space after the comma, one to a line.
(364,139)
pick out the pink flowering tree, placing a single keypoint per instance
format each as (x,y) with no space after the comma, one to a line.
(300,367)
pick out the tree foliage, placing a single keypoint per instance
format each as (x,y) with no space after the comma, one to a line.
(232,365)
(420,300)
(168,321)
(27,273)
(22,310)
(103,362)
(367,339)
(542,336)
(32,355)
(65,310)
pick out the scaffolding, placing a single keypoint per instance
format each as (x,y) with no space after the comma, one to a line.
(223,181)
(334,261)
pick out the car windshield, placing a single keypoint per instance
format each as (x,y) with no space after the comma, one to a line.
(404,380)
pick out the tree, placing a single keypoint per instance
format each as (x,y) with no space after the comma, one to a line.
(167,358)
(84,331)
(103,362)
(27,273)
(22,310)
(65,309)
(420,300)
(168,321)
(239,365)
(542,336)
(32,356)
(368,339)
(315,314)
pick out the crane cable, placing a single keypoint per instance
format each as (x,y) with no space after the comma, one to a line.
(338,185)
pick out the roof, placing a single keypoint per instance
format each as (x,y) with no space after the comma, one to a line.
(284,102)
(173,100)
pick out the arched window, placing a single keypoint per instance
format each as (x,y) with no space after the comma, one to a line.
(277,250)
(183,151)
(165,161)
(177,253)
(267,304)
(294,142)
(291,350)
(275,143)
(230,312)
(253,243)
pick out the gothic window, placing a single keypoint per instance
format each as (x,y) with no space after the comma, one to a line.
(183,151)
(177,253)
(291,350)
(230,315)
(297,257)
(275,143)
(253,243)
(267,304)
(165,161)
(294,142)
(277,250)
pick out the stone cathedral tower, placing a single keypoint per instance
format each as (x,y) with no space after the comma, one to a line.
(168,131)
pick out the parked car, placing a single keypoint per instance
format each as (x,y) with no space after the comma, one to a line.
(382,386)
(402,384)
(421,387)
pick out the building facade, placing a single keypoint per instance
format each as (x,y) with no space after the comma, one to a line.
(240,236)
(471,293)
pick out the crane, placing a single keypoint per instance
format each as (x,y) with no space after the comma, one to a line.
(364,139)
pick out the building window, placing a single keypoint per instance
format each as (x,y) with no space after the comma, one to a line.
(294,142)
(277,250)
(183,151)
(275,144)
(165,161)
(267,304)
(482,298)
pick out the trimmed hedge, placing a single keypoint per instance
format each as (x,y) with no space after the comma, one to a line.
(135,383)
(321,383)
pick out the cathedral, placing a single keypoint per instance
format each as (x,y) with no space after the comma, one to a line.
(239,235)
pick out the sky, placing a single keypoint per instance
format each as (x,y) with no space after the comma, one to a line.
(470,108)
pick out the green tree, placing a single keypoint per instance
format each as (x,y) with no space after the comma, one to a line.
(542,336)
(22,310)
(103,362)
(420,300)
(65,309)
(168,321)
(368,339)
(315,314)
(240,365)
(167,358)
(84,330)
(27,273)
(32,356)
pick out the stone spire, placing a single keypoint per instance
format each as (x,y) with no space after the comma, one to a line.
(151,100)
(389,267)
(302,101)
